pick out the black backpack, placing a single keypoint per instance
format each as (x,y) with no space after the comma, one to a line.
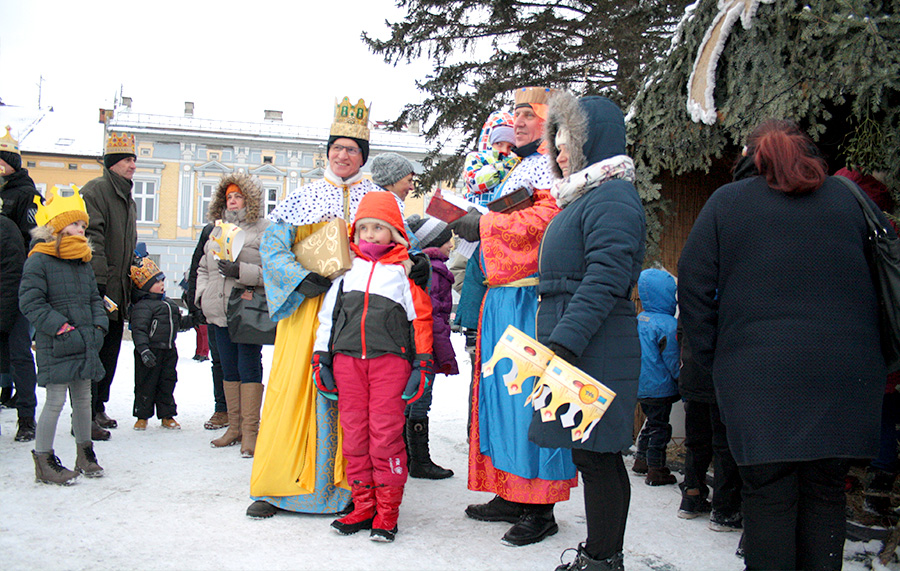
(884,250)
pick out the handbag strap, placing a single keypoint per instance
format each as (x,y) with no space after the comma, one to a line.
(872,219)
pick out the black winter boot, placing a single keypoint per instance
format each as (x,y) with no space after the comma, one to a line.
(7,398)
(25,433)
(535,524)
(418,453)
(584,562)
(497,509)
(878,491)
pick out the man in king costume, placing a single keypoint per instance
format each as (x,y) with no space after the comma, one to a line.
(527,480)
(298,465)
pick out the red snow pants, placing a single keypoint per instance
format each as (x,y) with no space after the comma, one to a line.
(371,405)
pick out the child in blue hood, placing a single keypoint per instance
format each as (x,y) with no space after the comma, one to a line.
(657,390)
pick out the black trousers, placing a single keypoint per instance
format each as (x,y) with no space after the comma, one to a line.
(794,514)
(655,434)
(109,356)
(607,495)
(707,442)
(156,386)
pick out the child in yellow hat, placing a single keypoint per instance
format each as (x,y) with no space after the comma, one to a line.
(58,294)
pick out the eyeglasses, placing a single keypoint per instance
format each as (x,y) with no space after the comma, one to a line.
(352,151)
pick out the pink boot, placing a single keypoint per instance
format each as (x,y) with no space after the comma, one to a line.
(363,510)
(384,526)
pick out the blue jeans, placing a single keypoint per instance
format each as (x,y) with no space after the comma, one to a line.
(21,366)
(241,363)
(655,434)
(218,388)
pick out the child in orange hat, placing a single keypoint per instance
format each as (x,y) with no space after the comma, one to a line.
(154,321)
(58,294)
(373,354)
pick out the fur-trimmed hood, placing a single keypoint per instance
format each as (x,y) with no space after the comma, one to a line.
(251,189)
(596,130)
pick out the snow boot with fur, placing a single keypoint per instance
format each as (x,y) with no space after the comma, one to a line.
(86,461)
(251,402)
(233,397)
(417,449)
(48,469)
(387,511)
(363,510)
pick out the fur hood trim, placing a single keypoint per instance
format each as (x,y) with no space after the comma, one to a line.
(252,190)
(565,112)
(596,130)
(45,234)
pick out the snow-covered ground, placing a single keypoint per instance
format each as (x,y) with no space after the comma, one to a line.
(169,501)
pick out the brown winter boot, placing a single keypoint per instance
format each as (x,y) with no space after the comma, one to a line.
(86,461)
(48,470)
(233,397)
(387,511)
(659,476)
(363,510)
(251,402)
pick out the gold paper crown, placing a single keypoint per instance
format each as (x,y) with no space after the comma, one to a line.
(119,143)
(8,144)
(142,274)
(57,209)
(350,120)
(525,95)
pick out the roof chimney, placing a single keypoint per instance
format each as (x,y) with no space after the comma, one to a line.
(272,115)
(188,108)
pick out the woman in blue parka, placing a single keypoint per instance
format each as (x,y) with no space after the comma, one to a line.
(590,260)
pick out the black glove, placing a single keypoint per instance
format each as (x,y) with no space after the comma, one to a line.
(421,270)
(323,375)
(230,269)
(102,289)
(148,358)
(419,378)
(314,285)
(467,227)
(563,353)
(198,317)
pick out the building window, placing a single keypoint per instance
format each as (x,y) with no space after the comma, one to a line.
(31,164)
(144,194)
(267,159)
(145,152)
(272,193)
(73,166)
(206,193)
(213,156)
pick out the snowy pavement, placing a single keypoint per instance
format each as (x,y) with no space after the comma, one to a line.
(169,501)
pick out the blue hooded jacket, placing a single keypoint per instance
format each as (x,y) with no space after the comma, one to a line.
(657,329)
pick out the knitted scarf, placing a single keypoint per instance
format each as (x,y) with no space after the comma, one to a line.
(568,189)
(70,248)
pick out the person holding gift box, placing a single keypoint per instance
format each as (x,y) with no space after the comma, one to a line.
(373,365)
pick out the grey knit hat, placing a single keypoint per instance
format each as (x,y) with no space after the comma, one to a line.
(431,232)
(388,168)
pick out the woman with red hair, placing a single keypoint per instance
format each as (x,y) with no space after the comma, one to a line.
(777,300)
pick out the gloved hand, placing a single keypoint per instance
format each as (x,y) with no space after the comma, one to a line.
(467,227)
(230,269)
(148,358)
(314,285)
(564,354)
(321,365)
(421,375)
(102,289)
(421,270)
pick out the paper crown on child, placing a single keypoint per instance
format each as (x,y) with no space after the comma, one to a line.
(57,211)
(146,274)
(350,120)
(230,238)
(119,144)
(8,144)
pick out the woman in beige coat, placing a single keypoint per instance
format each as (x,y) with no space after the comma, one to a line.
(238,200)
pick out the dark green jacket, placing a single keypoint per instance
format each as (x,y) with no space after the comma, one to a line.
(113,233)
(54,292)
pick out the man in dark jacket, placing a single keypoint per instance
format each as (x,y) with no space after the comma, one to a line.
(113,232)
(18,206)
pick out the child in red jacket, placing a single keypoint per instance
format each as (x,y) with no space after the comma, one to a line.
(373,348)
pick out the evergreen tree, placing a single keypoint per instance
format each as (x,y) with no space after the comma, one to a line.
(484,49)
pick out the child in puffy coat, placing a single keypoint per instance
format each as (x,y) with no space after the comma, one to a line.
(154,322)
(373,354)
(660,355)
(58,294)
(487,167)
(435,239)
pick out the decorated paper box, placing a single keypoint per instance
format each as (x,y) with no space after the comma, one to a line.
(326,251)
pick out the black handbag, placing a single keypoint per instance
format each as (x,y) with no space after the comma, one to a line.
(884,248)
(248,317)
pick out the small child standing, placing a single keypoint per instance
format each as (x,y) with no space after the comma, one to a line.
(657,329)
(59,296)
(154,321)
(487,167)
(373,348)
(435,239)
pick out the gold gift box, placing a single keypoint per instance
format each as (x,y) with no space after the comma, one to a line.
(326,251)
